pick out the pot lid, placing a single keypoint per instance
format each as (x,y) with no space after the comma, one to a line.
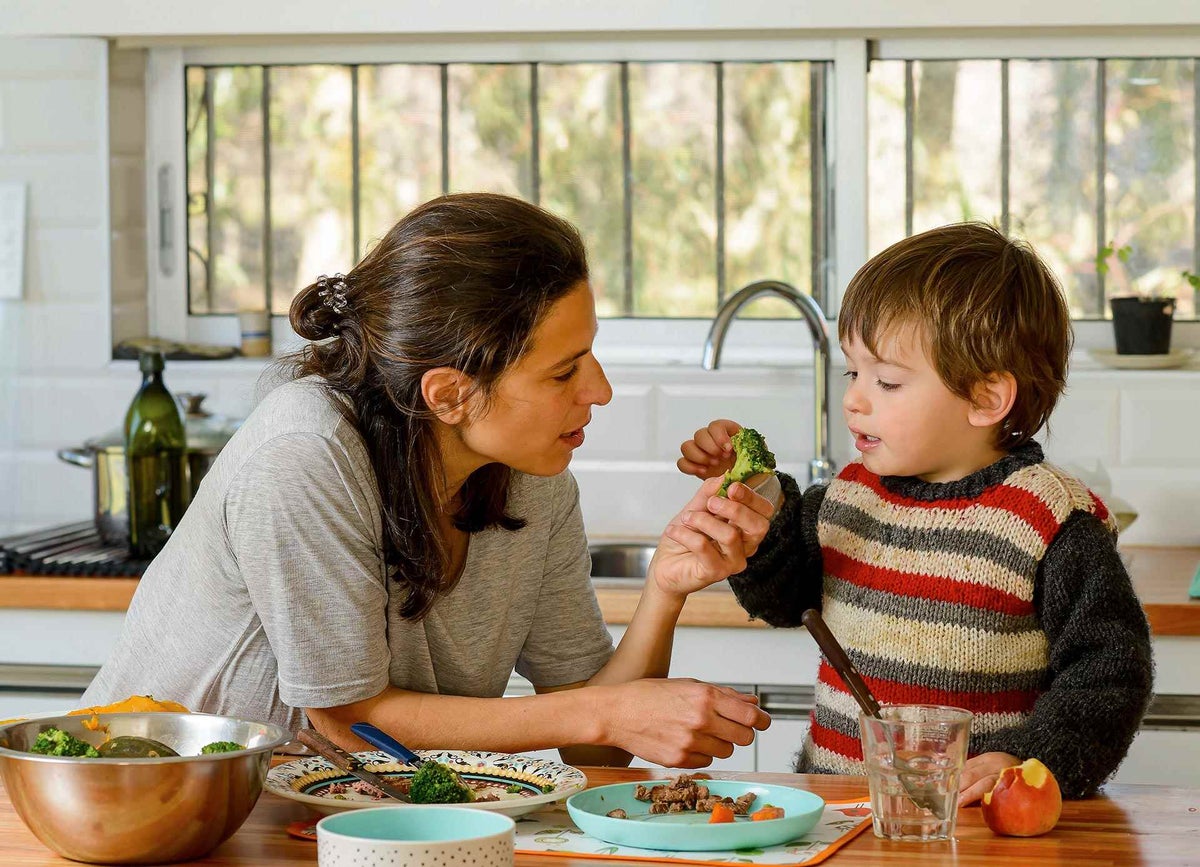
(206,432)
(109,440)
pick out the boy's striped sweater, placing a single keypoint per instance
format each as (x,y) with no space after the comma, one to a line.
(1001,593)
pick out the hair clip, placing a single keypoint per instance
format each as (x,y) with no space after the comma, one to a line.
(333,292)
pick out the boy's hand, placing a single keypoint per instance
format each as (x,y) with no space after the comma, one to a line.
(710,539)
(709,452)
(980,774)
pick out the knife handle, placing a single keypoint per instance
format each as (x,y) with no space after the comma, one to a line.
(327,748)
(381,740)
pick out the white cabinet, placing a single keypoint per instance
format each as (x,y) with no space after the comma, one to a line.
(778,745)
(1162,757)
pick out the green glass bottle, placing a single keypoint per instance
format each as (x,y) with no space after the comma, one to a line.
(155,461)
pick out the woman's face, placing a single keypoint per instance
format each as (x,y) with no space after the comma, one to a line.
(536,416)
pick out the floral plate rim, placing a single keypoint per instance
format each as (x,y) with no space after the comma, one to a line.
(285,778)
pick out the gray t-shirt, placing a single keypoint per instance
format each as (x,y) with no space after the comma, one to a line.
(271,595)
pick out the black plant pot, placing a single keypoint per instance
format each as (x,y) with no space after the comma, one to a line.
(1142,325)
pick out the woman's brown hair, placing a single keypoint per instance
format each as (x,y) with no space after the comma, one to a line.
(982,303)
(461,282)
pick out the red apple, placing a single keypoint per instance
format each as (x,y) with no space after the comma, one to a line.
(1025,801)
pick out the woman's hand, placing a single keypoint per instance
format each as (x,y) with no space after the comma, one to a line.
(710,539)
(679,722)
(980,774)
(709,452)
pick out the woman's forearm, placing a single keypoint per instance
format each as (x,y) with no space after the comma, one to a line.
(645,648)
(510,725)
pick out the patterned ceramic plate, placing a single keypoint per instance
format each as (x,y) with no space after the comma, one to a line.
(506,783)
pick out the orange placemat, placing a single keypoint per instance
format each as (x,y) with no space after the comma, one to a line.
(551,832)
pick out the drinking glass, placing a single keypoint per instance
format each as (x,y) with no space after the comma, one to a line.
(914,755)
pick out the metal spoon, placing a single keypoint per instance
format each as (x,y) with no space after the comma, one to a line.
(862,694)
(766,485)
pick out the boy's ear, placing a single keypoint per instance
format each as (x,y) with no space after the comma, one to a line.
(992,399)
(445,390)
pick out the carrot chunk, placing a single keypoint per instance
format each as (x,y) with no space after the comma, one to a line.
(766,812)
(720,813)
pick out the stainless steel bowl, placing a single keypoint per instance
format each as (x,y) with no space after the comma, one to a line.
(138,811)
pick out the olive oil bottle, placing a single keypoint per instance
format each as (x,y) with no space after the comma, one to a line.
(155,461)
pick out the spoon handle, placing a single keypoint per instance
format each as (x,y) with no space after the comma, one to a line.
(840,661)
(383,741)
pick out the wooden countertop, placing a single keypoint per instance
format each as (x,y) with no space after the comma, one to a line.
(1161,577)
(1126,825)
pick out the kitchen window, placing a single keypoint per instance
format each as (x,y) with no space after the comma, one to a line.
(687,179)
(1073,154)
(692,166)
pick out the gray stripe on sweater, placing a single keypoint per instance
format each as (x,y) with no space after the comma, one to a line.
(931,677)
(928,610)
(949,539)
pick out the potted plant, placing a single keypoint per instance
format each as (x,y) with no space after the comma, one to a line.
(1141,323)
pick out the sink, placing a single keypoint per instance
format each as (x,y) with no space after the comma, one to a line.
(627,561)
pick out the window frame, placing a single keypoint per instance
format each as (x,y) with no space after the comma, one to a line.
(1089,333)
(622,341)
(633,340)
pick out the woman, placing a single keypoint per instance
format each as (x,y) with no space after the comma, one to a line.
(394,531)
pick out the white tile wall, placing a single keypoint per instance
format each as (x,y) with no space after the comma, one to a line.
(57,385)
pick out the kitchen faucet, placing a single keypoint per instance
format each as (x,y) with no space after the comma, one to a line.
(821,467)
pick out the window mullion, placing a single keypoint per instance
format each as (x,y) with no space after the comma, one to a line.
(209,171)
(910,100)
(445,82)
(1005,149)
(535,133)
(1196,179)
(266,152)
(720,182)
(819,184)
(627,189)
(1101,171)
(355,166)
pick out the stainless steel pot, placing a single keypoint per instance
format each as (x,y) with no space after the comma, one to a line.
(105,456)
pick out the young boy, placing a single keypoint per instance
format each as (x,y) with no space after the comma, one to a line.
(951,561)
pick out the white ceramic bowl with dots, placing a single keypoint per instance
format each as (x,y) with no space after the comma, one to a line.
(415,836)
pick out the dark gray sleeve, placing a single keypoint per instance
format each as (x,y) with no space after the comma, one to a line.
(303,527)
(1101,671)
(784,577)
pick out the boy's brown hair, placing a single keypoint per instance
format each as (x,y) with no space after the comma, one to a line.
(982,303)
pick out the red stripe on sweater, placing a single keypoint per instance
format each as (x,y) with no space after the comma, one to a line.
(893,692)
(1099,508)
(836,742)
(1024,505)
(911,584)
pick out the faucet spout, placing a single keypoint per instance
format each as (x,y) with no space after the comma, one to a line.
(821,467)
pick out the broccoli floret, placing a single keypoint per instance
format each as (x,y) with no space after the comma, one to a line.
(220,747)
(752,457)
(514,789)
(435,783)
(56,742)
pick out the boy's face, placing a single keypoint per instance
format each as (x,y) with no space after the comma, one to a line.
(904,420)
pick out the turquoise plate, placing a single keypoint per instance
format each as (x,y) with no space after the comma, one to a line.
(690,832)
